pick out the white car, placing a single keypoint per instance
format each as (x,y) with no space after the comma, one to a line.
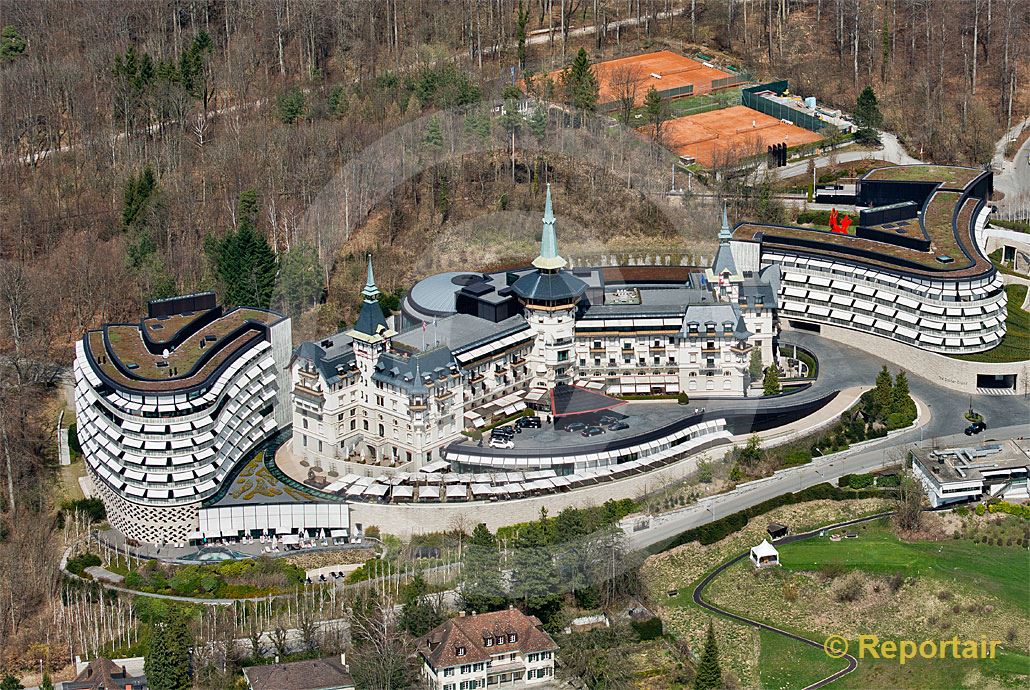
(505,443)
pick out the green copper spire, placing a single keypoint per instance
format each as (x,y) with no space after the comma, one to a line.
(371,292)
(548,259)
(724,234)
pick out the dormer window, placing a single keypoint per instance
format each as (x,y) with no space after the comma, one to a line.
(512,637)
(500,639)
(459,650)
(488,641)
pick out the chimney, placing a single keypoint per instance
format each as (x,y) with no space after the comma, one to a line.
(461,614)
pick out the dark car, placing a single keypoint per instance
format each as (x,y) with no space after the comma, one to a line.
(607,420)
(576,426)
(593,431)
(528,422)
(975,428)
(618,426)
(506,431)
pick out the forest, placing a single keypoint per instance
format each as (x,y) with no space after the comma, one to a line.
(261,149)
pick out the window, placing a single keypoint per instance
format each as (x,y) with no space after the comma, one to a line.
(488,641)
(448,686)
(353,424)
(512,637)
(448,672)
(459,651)
(478,667)
(305,422)
(533,657)
(467,667)
(304,440)
(500,639)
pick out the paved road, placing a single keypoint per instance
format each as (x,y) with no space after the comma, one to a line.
(874,456)
(892,151)
(698,596)
(1013,177)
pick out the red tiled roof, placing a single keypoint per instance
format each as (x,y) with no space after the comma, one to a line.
(440,645)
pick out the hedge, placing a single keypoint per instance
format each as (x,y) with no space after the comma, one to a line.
(78,565)
(723,527)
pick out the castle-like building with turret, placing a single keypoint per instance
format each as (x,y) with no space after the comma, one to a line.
(478,347)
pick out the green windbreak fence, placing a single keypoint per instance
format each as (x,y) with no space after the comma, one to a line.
(751,99)
(686,90)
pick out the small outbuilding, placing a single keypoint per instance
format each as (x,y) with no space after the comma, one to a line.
(777,530)
(764,555)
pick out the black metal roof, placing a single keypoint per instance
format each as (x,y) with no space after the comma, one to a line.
(548,286)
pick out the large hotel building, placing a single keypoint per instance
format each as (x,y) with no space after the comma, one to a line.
(168,408)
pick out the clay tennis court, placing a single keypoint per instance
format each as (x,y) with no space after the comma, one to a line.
(664,70)
(709,136)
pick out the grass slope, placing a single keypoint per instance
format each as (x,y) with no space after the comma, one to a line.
(785,664)
(1004,572)
(1015,346)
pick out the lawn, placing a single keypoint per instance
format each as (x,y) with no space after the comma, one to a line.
(952,587)
(784,664)
(1002,571)
(1015,346)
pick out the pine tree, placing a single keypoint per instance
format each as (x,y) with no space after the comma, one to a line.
(901,398)
(300,279)
(580,83)
(418,616)
(657,110)
(167,664)
(136,196)
(754,367)
(867,110)
(243,259)
(46,683)
(883,394)
(480,587)
(771,381)
(290,106)
(10,682)
(521,20)
(11,44)
(709,675)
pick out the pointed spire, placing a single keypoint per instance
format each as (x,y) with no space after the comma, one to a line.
(370,292)
(741,332)
(724,233)
(549,258)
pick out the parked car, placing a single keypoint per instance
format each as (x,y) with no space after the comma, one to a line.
(607,420)
(499,442)
(575,426)
(528,422)
(506,431)
(975,428)
(593,431)
(618,426)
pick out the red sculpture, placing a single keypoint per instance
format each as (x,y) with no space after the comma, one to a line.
(840,227)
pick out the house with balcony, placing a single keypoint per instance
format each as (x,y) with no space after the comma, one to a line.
(502,649)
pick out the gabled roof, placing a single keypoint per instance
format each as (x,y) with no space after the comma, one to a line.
(330,356)
(310,674)
(104,674)
(414,373)
(440,646)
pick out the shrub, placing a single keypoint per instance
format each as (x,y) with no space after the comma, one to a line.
(831,571)
(73,440)
(980,509)
(649,629)
(92,508)
(78,564)
(683,398)
(850,588)
(860,481)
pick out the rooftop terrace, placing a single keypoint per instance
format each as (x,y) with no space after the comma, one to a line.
(946,223)
(119,351)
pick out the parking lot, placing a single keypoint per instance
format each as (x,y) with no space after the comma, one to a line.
(639,418)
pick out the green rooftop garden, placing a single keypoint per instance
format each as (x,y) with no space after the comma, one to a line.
(946,174)
(1015,346)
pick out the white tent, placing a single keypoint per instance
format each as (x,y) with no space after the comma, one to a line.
(765,554)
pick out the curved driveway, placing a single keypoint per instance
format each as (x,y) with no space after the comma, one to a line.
(698,596)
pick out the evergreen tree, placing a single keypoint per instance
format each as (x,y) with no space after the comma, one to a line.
(290,106)
(418,615)
(709,675)
(580,83)
(136,196)
(243,260)
(657,111)
(883,394)
(167,664)
(521,20)
(46,683)
(754,367)
(11,44)
(535,577)
(480,586)
(300,279)
(193,71)
(867,110)
(771,381)
(901,398)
